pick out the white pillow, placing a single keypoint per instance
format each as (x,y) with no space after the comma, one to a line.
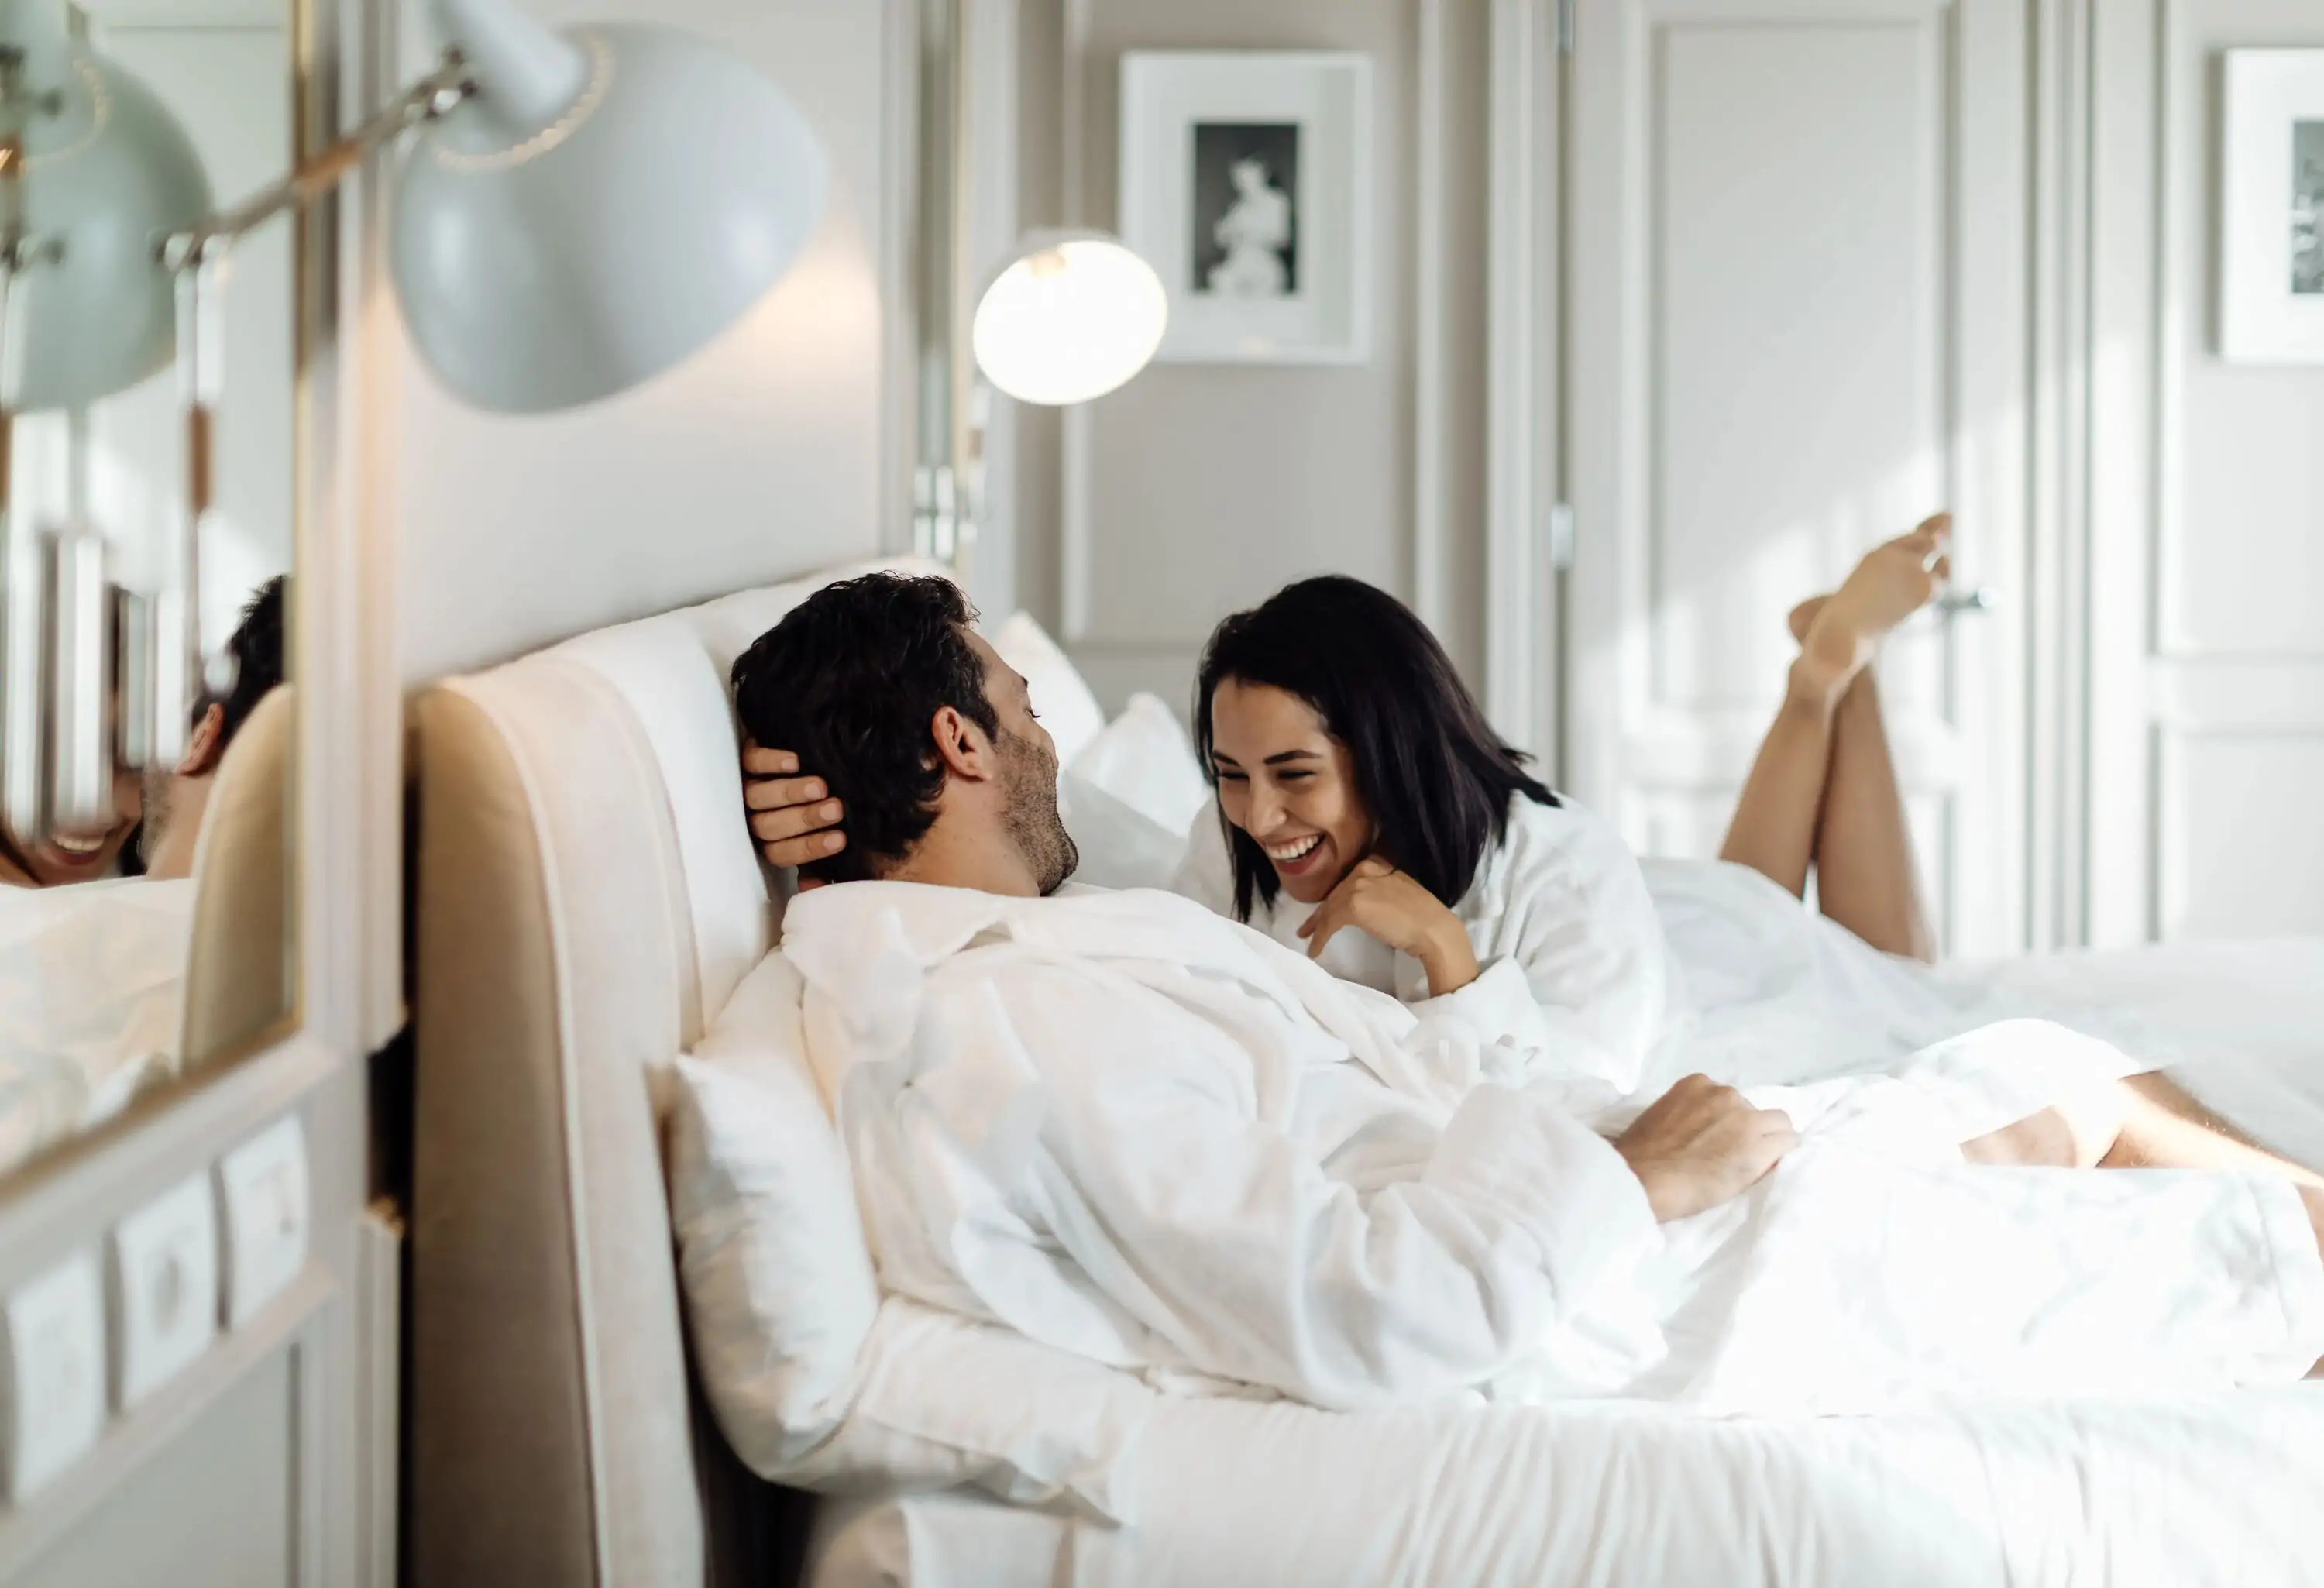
(1144,760)
(814,1378)
(1119,847)
(1061,697)
(770,1251)
(945,1401)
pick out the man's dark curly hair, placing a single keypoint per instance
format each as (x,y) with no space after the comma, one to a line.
(851,680)
(257,647)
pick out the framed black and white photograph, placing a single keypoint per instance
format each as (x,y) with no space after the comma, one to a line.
(2272,207)
(1246,182)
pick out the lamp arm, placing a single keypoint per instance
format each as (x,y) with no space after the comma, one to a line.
(432,95)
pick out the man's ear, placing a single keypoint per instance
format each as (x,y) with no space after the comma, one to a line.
(203,749)
(962,746)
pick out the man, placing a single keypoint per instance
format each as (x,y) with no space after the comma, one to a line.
(176,799)
(1129,1128)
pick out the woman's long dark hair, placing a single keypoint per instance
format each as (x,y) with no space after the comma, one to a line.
(1431,770)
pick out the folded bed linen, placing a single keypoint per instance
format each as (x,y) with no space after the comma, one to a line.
(2226,1488)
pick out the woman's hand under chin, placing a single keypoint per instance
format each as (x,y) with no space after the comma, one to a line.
(1375,897)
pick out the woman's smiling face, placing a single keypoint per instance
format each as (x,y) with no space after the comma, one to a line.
(1289,784)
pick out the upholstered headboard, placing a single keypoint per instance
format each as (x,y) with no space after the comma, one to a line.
(238,962)
(588,898)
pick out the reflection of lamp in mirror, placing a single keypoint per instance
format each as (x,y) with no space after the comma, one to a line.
(93,170)
(1070,316)
(577,213)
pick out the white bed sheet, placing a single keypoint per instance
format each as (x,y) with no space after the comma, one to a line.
(2226,1489)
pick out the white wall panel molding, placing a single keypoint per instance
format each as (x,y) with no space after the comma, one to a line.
(1075,551)
(1430,573)
(1522,290)
(899,210)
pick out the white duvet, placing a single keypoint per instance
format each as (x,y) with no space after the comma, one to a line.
(91,980)
(1124,1127)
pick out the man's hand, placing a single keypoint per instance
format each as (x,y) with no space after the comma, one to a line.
(1700,1144)
(790,815)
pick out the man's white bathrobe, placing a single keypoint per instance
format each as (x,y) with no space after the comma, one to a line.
(1129,1128)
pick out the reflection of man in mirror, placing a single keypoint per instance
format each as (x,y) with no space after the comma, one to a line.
(1253,231)
(174,800)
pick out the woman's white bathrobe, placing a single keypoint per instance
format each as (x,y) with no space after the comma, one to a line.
(1656,968)
(1131,1128)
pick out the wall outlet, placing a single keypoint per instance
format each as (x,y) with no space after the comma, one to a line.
(165,1284)
(262,1191)
(53,1357)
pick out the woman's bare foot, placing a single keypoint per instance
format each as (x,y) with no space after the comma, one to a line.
(1893,582)
(1803,616)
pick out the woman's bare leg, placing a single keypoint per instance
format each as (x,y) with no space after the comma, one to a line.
(2122,1127)
(1774,830)
(1866,876)
(1826,756)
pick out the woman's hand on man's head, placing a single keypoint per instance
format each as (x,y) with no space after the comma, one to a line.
(792,817)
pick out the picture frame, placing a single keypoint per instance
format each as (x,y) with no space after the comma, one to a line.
(1246,182)
(2271,207)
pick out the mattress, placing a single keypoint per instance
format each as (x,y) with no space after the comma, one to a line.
(2225,1489)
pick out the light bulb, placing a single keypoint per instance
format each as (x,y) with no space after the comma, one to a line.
(1071,316)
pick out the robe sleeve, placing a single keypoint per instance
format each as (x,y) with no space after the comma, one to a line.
(1221,1230)
(1497,1031)
(1585,932)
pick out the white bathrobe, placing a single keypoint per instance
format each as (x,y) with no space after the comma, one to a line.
(1665,967)
(1129,1128)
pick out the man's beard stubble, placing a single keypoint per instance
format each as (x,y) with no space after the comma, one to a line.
(1033,822)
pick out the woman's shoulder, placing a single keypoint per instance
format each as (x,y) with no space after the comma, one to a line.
(1564,853)
(1566,833)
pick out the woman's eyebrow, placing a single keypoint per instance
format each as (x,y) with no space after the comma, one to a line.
(1293,755)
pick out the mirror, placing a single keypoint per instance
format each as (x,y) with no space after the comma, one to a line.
(148,465)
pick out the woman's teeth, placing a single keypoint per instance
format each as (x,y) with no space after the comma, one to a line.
(1298,849)
(78,846)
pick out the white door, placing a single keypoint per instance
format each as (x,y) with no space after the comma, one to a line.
(1796,325)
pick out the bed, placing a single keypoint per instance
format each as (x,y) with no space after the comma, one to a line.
(588,900)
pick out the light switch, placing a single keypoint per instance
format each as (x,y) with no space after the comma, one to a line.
(54,1358)
(263,1185)
(165,1288)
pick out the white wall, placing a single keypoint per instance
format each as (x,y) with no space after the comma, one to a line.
(1210,487)
(2207,535)
(760,457)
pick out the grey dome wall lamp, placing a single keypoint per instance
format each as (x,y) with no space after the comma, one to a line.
(574,213)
